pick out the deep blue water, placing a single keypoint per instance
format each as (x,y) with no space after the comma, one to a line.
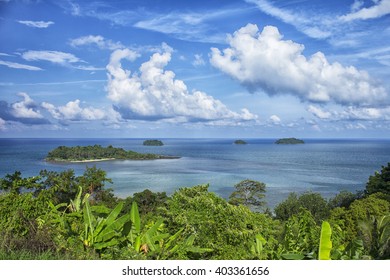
(324,166)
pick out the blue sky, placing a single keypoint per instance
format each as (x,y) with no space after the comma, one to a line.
(239,69)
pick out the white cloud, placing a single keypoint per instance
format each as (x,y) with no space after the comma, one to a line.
(155,94)
(379,9)
(98,40)
(36,24)
(52,56)
(25,108)
(73,112)
(19,65)
(198,61)
(263,60)
(352,113)
(315,26)
(318,112)
(275,119)
(190,26)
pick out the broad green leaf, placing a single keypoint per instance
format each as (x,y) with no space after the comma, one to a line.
(110,219)
(325,242)
(292,256)
(134,217)
(88,217)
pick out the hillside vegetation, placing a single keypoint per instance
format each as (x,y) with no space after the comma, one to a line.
(58,215)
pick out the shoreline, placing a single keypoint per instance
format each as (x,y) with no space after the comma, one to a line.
(106,159)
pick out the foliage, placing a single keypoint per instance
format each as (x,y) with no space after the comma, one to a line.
(58,215)
(147,201)
(380,182)
(227,229)
(356,222)
(342,199)
(289,141)
(96,152)
(301,235)
(153,143)
(14,183)
(240,142)
(248,193)
(325,242)
(311,201)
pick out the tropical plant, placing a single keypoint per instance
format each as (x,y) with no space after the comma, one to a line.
(325,242)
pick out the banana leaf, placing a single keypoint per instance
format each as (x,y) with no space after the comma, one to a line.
(325,242)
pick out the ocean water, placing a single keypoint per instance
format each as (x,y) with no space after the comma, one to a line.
(320,165)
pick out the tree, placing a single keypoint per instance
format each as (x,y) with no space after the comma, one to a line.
(287,208)
(248,193)
(380,182)
(342,199)
(15,183)
(311,201)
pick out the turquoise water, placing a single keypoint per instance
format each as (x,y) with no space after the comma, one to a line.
(321,165)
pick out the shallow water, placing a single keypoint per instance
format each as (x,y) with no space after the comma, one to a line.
(321,165)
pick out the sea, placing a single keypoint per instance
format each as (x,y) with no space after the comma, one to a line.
(326,166)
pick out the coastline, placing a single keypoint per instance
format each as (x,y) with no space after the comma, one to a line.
(106,159)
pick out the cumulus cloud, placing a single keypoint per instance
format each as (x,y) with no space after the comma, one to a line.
(73,112)
(25,111)
(379,9)
(51,56)
(98,40)
(264,61)
(25,108)
(275,119)
(154,93)
(19,66)
(36,24)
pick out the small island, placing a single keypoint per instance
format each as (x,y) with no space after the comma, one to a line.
(153,143)
(97,153)
(240,142)
(289,141)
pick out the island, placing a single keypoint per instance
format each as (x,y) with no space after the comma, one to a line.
(97,153)
(289,141)
(153,143)
(240,142)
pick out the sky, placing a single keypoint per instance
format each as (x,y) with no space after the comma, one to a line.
(173,68)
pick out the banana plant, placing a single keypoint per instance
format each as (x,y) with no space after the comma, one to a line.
(258,246)
(99,232)
(325,242)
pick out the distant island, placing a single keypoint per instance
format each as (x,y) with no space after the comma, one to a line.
(289,141)
(97,153)
(153,143)
(240,142)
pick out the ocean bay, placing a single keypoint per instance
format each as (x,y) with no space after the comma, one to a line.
(320,165)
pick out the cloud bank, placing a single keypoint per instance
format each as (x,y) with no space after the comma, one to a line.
(154,93)
(264,61)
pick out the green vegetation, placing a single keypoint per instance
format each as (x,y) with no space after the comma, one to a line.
(58,215)
(289,141)
(95,153)
(240,142)
(153,143)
